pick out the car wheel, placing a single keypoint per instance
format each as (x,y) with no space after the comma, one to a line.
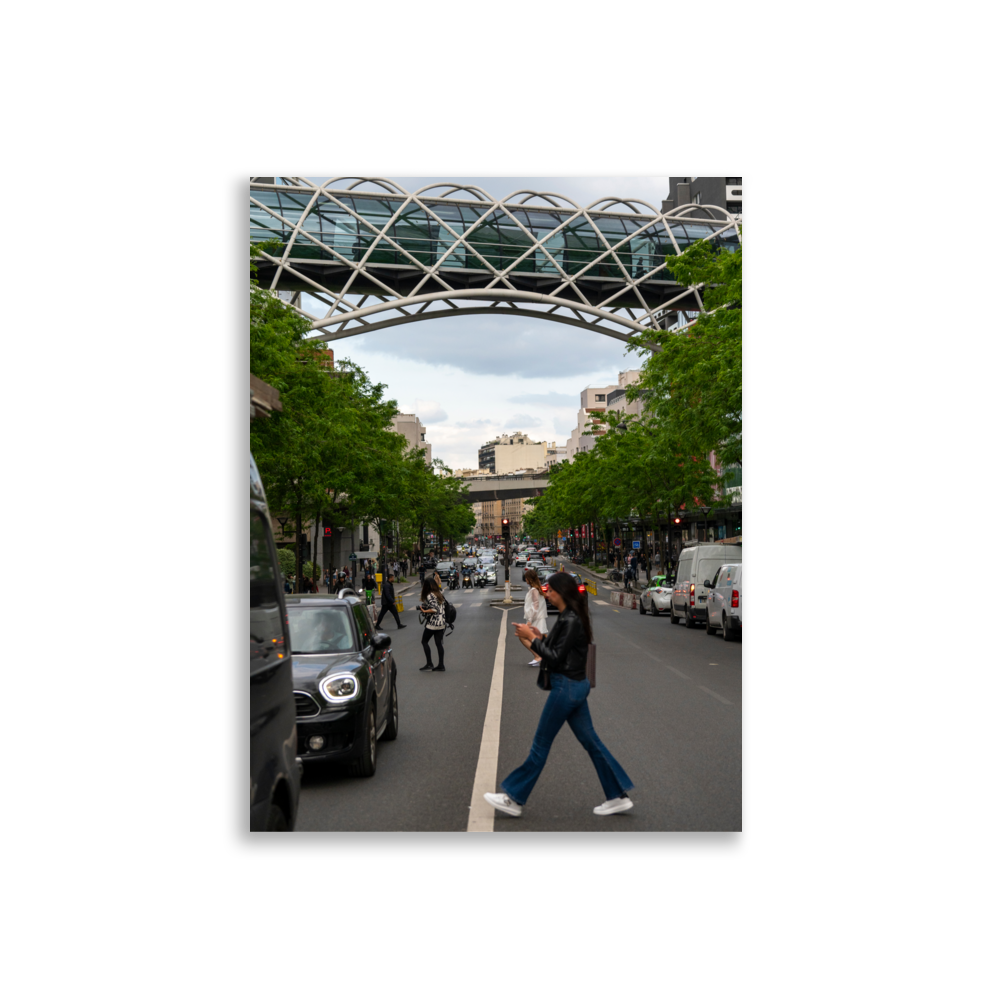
(709,627)
(654,609)
(728,633)
(364,766)
(277,821)
(642,607)
(689,622)
(392,726)
(673,617)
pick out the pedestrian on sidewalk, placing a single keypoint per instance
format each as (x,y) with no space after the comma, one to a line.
(564,654)
(389,603)
(536,610)
(369,584)
(432,605)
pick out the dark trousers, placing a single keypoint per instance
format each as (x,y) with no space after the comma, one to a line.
(391,608)
(425,640)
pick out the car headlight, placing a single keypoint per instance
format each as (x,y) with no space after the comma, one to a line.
(339,688)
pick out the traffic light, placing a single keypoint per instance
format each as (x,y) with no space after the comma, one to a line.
(676,520)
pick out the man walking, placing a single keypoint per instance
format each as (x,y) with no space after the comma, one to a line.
(388,604)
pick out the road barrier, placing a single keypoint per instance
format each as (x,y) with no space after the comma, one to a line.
(622,599)
(591,587)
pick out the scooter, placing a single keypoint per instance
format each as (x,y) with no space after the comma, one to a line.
(452,581)
(466,579)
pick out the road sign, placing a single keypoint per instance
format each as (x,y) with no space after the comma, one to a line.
(618,543)
(636,544)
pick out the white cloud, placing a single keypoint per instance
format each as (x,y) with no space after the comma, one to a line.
(521,420)
(429,411)
(562,400)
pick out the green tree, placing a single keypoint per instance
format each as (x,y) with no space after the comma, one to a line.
(694,382)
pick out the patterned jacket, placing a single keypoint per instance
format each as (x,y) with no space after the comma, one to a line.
(435,620)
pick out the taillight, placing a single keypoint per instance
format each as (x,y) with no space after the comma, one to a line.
(581,588)
(736,599)
(692,595)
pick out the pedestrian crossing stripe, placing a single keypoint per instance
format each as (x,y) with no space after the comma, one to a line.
(599,601)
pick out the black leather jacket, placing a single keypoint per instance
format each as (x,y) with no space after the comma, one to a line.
(564,649)
(388,595)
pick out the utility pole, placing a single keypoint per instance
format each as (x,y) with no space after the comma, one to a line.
(505,528)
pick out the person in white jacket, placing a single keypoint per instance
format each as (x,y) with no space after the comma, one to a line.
(536,609)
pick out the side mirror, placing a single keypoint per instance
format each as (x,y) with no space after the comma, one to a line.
(381,640)
(708,583)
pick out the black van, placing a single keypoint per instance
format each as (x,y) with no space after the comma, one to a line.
(275,773)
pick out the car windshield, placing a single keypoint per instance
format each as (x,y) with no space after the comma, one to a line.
(444,567)
(320,630)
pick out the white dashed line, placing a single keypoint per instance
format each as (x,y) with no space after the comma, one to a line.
(679,674)
(476,605)
(481,813)
(597,600)
(714,695)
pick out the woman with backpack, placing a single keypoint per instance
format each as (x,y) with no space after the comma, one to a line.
(564,656)
(432,606)
(536,610)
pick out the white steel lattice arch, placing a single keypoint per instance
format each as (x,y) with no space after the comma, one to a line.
(343,314)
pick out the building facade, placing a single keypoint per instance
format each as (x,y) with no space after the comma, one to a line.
(511,452)
(409,425)
(725,192)
(596,399)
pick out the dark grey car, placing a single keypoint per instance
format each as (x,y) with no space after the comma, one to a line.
(345,681)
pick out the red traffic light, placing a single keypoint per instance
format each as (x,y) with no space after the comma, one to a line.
(506,520)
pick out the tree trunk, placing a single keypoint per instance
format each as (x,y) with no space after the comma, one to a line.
(298,547)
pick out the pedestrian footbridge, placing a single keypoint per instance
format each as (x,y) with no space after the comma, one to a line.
(356,255)
(506,487)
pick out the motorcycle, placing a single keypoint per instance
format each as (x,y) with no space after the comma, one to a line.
(452,581)
(467,579)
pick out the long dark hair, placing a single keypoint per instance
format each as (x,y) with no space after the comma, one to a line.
(430,587)
(565,586)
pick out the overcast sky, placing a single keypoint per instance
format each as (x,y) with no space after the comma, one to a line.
(471,378)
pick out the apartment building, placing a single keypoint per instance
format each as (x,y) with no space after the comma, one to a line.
(510,452)
(409,425)
(595,400)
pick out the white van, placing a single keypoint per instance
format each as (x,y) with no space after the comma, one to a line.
(697,565)
(725,605)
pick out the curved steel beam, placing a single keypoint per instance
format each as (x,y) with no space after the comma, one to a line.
(487,294)
(470,311)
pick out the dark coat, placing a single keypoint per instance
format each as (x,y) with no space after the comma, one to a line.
(388,595)
(564,649)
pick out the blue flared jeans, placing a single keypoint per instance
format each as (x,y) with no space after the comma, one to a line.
(567,702)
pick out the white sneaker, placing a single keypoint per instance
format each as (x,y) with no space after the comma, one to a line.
(614,806)
(503,803)
(534,663)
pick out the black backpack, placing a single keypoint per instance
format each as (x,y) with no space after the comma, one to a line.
(450,613)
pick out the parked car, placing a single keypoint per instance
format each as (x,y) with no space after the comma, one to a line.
(345,681)
(656,597)
(580,586)
(696,566)
(275,774)
(725,605)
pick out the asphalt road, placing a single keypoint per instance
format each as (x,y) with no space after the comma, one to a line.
(667,705)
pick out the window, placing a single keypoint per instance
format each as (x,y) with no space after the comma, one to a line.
(599,398)
(263,586)
(730,181)
(364,625)
(734,207)
(320,630)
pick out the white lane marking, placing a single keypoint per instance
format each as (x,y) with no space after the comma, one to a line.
(476,605)
(714,695)
(597,600)
(481,813)
(713,664)
(679,674)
